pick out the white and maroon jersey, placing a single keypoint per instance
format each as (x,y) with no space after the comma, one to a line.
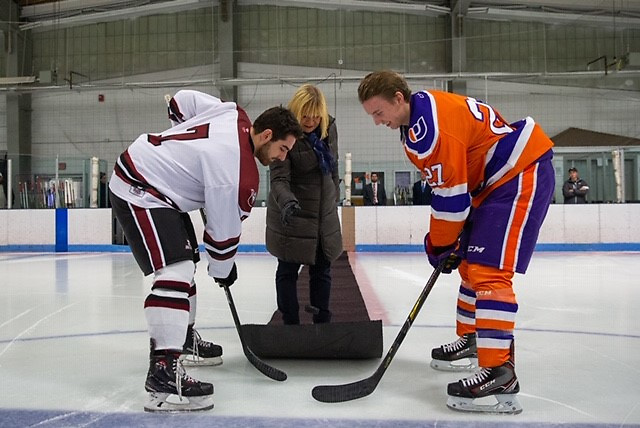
(205,161)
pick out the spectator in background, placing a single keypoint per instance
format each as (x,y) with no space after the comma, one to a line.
(374,193)
(302,215)
(3,195)
(103,195)
(575,189)
(422,190)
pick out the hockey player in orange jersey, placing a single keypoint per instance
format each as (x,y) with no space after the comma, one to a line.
(492,185)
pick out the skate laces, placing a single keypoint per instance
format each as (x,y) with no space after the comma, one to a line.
(476,378)
(198,343)
(455,346)
(181,376)
(201,343)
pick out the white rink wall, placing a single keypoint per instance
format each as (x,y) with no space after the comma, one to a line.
(85,227)
(393,228)
(564,224)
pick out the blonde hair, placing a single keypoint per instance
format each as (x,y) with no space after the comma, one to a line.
(309,101)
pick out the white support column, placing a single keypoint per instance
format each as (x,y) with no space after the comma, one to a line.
(347,180)
(618,172)
(95,179)
(9,183)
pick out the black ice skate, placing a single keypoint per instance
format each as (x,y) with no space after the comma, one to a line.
(500,382)
(198,352)
(172,390)
(461,355)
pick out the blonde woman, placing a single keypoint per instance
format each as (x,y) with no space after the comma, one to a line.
(302,216)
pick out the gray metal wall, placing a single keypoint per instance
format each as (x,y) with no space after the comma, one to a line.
(133,63)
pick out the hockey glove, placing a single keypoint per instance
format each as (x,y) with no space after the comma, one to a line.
(230,279)
(290,209)
(451,254)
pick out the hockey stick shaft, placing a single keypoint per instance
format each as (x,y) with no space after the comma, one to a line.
(362,388)
(264,368)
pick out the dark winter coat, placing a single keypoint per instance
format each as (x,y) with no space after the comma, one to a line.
(575,192)
(298,178)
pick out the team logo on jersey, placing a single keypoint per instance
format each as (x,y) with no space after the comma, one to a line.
(418,131)
(137,191)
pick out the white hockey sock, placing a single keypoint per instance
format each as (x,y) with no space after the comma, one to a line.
(193,300)
(167,307)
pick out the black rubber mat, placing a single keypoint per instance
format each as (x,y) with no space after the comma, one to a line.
(350,334)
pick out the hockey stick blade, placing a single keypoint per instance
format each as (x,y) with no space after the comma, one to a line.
(264,368)
(345,392)
(364,387)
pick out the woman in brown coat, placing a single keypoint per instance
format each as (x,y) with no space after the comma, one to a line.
(302,214)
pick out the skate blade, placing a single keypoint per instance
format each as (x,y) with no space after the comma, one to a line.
(464,365)
(507,404)
(163,402)
(191,360)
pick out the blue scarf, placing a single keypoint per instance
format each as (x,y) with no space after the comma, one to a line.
(321,149)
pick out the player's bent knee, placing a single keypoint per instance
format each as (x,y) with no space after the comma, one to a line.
(482,276)
(182,271)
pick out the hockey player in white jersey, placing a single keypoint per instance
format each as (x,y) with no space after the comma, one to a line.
(206,160)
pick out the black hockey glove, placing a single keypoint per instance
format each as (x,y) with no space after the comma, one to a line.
(290,209)
(230,279)
(451,255)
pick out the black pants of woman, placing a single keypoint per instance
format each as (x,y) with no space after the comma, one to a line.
(319,289)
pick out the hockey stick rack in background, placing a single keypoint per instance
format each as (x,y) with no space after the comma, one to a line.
(264,368)
(364,387)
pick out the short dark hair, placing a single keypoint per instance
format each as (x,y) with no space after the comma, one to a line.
(280,121)
(573,169)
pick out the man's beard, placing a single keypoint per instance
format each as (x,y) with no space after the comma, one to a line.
(263,154)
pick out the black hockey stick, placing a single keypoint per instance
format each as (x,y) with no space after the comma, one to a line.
(264,368)
(364,387)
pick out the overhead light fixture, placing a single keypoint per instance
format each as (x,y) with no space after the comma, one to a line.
(45,10)
(118,14)
(18,80)
(365,5)
(83,17)
(498,14)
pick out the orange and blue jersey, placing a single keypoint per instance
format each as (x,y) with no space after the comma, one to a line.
(467,150)
(499,178)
